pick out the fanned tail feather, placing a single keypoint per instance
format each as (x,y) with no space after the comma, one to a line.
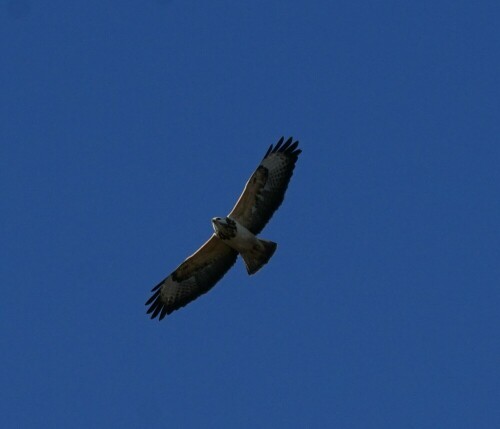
(259,255)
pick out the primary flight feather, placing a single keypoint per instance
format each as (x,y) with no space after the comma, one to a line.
(234,234)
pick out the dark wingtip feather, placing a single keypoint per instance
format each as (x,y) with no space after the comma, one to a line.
(158,285)
(288,147)
(269,150)
(157,310)
(153,297)
(157,303)
(278,145)
(291,148)
(164,312)
(287,143)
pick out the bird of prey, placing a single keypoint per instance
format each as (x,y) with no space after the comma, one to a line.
(234,234)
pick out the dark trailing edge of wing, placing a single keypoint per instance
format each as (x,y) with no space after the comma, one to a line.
(268,204)
(157,305)
(187,293)
(288,148)
(162,308)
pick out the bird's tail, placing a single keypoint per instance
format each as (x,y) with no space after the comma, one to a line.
(259,255)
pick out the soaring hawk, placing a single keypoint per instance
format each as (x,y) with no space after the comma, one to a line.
(234,234)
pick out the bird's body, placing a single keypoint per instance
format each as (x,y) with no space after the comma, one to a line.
(254,251)
(235,234)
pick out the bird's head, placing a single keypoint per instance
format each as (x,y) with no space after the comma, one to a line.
(224,227)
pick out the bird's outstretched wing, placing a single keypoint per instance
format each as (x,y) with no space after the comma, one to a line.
(194,277)
(265,190)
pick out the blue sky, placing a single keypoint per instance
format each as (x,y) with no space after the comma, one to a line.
(126,126)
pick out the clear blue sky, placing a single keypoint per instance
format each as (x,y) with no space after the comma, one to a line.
(125,126)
